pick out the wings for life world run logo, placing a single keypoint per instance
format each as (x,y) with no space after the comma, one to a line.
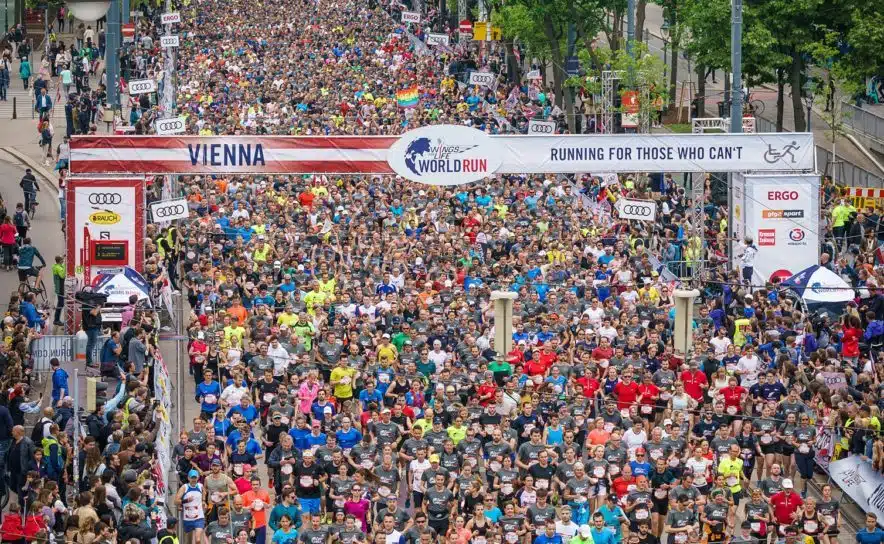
(444,155)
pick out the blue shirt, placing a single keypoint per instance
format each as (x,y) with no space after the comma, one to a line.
(204,389)
(365,398)
(493,515)
(59,382)
(250,413)
(309,440)
(640,469)
(543,539)
(605,536)
(348,439)
(864,536)
(612,520)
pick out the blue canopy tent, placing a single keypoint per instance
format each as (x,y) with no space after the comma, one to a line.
(821,290)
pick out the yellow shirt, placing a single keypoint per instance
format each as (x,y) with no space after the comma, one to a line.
(739,336)
(388,352)
(287,319)
(732,470)
(345,374)
(234,334)
(314,298)
(328,287)
(456,435)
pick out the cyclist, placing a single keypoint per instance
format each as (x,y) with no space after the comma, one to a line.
(29,187)
(26,254)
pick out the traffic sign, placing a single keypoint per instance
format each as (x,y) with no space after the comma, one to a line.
(466,27)
(480,32)
(128,32)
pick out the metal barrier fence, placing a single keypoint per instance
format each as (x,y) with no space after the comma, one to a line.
(864,121)
(44,349)
(843,172)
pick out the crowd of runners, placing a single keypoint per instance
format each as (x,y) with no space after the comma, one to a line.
(341,334)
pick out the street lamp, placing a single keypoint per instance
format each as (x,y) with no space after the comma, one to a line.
(88,10)
(808,100)
(664,29)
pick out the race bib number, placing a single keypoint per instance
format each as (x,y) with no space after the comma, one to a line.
(656,454)
(384,378)
(384,491)
(830,521)
(210,399)
(284,420)
(609,427)
(732,481)
(766,439)
(641,514)
(528,428)
(512,538)
(674,462)
(665,396)
(756,526)
(660,493)
(542,484)
(506,489)
(624,413)
(258,504)
(216,497)
(237,469)
(286,469)
(367,464)
(811,526)
(268,397)
(494,466)
(598,472)
(804,448)
(681,537)
(614,469)
(345,380)
(732,410)
(339,503)
(306,481)
(647,409)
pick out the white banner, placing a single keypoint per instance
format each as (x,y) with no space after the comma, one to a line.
(482,78)
(169,210)
(824,445)
(834,380)
(170,18)
(782,215)
(411,17)
(640,210)
(44,348)
(536,127)
(862,482)
(163,395)
(141,86)
(534,74)
(737,207)
(175,125)
(437,39)
(169,41)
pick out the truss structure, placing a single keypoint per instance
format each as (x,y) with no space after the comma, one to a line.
(607,117)
(722,124)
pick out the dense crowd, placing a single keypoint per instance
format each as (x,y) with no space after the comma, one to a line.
(341,334)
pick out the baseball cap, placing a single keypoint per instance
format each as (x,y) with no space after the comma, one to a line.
(308,453)
(386,336)
(667,422)
(434,458)
(216,462)
(193,474)
(787,483)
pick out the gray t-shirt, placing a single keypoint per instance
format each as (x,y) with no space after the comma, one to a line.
(137,354)
(438,503)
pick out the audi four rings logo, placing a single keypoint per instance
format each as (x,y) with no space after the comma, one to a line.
(644,211)
(105,198)
(171,124)
(169,211)
(541,129)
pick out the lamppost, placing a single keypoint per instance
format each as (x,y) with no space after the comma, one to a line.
(808,100)
(664,32)
(93,10)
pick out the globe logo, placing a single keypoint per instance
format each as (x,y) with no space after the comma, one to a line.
(416,149)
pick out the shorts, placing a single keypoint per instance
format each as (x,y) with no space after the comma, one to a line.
(190,526)
(309,506)
(747,273)
(23,273)
(661,506)
(786,449)
(773,447)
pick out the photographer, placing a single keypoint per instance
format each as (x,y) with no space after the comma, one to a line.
(92,326)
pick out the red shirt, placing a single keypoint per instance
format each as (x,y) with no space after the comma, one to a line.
(692,383)
(487,391)
(590,386)
(850,342)
(626,394)
(649,393)
(732,395)
(547,359)
(785,503)
(621,486)
(600,353)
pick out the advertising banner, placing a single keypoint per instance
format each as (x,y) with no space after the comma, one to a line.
(169,210)
(824,445)
(111,210)
(782,214)
(163,392)
(553,154)
(142,86)
(862,482)
(639,210)
(541,127)
(835,380)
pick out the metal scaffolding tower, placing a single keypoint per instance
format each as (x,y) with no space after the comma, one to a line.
(608,110)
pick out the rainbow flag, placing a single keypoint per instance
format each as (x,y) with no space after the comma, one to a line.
(407,98)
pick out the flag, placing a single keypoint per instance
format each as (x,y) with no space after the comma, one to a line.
(407,98)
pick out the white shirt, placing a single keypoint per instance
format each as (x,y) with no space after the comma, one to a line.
(417,469)
(281,359)
(393,538)
(233,393)
(566,530)
(720,344)
(595,315)
(747,367)
(634,441)
(438,357)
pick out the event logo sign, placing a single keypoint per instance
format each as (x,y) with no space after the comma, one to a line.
(482,78)
(175,125)
(169,210)
(411,17)
(444,155)
(170,18)
(859,479)
(437,39)
(640,210)
(142,86)
(169,41)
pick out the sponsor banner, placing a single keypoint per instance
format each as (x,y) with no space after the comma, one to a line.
(736,209)
(411,17)
(169,41)
(376,154)
(170,18)
(451,156)
(169,210)
(43,349)
(163,394)
(142,86)
(175,125)
(835,380)
(534,74)
(865,485)
(640,210)
(629,104)
(437,39)
(482,78)
(541,127)
(824,446)
(782,214)
(112,211)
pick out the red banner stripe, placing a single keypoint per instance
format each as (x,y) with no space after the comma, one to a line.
(271,142)
(186,168)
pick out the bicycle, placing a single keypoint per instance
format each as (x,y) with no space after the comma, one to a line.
(35,286)
(754,107)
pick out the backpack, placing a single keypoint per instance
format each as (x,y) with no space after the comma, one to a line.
(19,219)
(108,359)
(37,432)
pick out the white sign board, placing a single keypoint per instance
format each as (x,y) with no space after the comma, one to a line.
(169,210)
(170,18)
(45,348)
(169,41)
(862,482)
(640,210)
(834,380)
(541,128)
(534,74)
(175,125)
(782,215)
(142,86)
(437,39)
(482,78)
(411,17)
(134,13)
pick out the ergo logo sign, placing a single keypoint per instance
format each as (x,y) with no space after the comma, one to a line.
(170,18)
(782,195)
(411,17)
